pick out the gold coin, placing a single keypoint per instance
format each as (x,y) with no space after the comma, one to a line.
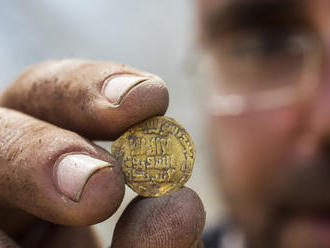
(157,156)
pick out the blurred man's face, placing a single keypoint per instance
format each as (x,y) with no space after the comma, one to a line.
(270,116)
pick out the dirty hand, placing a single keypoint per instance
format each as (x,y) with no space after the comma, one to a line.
(54,181)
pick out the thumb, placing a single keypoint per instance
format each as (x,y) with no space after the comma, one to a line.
(172,221)
(55,174)
(6,242)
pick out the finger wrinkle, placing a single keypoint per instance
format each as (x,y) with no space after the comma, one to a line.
(14,138)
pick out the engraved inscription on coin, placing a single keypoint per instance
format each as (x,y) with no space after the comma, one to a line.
(157,156)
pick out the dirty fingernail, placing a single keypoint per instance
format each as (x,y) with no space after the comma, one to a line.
(115,88)
(72,172)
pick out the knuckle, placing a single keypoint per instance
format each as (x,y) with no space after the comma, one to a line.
(15,137)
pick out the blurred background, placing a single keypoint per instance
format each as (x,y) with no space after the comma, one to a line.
(155,36)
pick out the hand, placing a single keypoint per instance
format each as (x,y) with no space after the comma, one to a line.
(50,176)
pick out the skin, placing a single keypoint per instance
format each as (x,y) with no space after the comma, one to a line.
(50,110)
(273,165)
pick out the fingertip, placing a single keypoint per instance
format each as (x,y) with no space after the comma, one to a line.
(92,187)
(174,220)
(148,98)
(101,197)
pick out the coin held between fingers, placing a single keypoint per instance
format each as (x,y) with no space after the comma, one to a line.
(156,155)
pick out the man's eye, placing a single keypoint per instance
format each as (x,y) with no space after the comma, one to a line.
(267,46)
(255,61)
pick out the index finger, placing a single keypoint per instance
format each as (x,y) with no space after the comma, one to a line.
(98,100)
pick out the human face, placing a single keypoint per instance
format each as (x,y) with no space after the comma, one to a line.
(274,163)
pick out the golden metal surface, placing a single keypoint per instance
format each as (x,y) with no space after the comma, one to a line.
(157,156)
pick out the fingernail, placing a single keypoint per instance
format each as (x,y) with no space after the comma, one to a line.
(72,172)
(117,87)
